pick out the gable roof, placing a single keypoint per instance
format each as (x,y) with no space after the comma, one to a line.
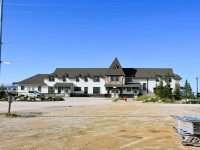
(34,80)
(115,69)
(81,72)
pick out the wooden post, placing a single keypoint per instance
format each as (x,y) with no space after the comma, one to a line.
(10,100)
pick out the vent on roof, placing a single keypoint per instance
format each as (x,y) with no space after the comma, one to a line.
(116,67)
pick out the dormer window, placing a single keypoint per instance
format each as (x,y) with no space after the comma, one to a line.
(86,79)
(96,78)
(51,78)
(64,78)
(77,79)
(157,78)
(168,79)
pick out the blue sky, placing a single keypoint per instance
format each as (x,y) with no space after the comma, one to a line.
(45,34)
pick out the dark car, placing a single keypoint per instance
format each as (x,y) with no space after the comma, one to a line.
(198,94)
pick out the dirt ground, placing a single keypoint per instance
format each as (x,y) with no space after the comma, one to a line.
(121,125)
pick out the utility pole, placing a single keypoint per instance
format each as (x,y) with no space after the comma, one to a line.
(197,85)
(1,32)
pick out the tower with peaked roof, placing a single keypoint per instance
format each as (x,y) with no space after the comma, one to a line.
(114,79)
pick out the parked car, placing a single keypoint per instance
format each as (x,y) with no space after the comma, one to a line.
(33,94)
(11,90)
(198,95)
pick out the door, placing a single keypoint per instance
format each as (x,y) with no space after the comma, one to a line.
(114,93)
(59,90)
(85,90)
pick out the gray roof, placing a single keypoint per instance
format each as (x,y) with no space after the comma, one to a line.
(115,69)
(34,80)
(139,73)
(81,72)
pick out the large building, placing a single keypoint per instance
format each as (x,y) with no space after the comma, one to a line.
(109,82)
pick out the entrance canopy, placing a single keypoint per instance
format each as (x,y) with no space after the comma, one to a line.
(133,85)
(63,85)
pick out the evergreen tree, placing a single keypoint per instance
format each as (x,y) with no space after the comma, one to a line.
(187,90)
(159,90)
(167,91)
(177,91)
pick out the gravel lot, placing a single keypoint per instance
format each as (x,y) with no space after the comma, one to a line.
(69,102)
(93,123)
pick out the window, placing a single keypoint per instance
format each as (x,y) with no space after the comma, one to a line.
(96,90)
(144,86)
(85,90)
(168,79)
(86,79)
(77,79)
(114,78)
(96,78)
(51,90)
(22,88)
(117,78)
(128,89)
(39,88)
(135,91)
(129,79)
(77,88)
(51,78)
(64,78)
(157,78)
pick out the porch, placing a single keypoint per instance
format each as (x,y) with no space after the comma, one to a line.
(128,90)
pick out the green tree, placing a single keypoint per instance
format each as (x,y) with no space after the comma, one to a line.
(187,90)
(159,90)
(167,91)
(177,91)
(2,93)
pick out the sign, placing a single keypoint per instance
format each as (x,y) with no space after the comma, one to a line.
(10,99)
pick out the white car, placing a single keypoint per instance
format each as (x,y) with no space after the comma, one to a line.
(33,94)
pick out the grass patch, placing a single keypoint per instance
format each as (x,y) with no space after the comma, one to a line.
(148,98)
(3,114)
(154,99)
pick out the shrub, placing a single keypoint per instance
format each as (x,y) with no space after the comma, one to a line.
(143,98)
(115,100)
(148,98)
(167,100)
(58,98)
(43,99)
(2,94)
(4,99)
(8,114)
(23,98)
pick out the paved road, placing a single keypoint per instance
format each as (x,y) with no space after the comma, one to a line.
(20,106)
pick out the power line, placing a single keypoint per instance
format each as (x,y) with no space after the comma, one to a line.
(27,12)
(18,22)
(55,5)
